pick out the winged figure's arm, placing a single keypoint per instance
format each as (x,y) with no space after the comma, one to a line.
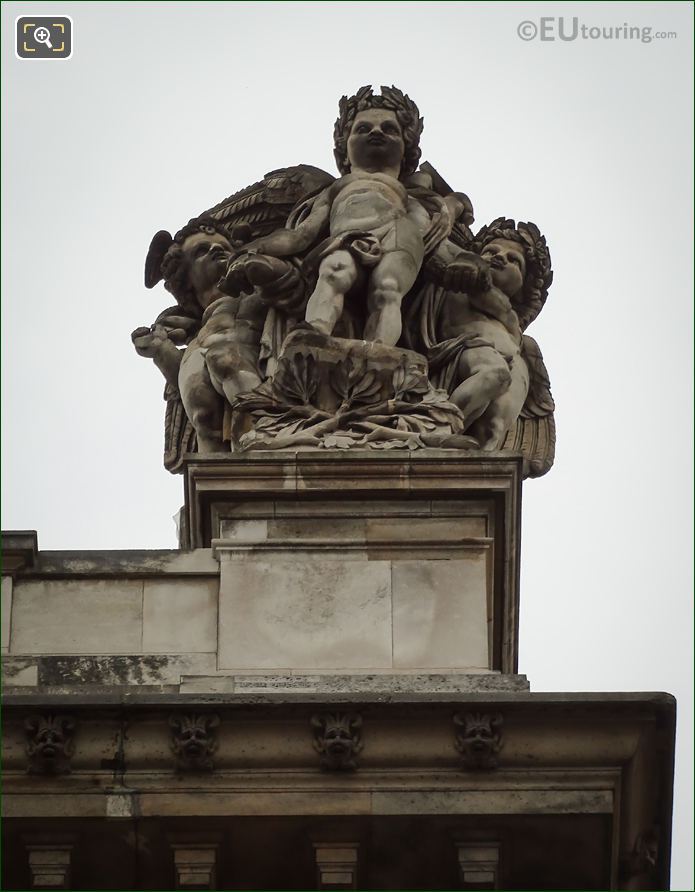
(286,242)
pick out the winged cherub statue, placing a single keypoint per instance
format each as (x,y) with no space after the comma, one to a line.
(474,341)
(315,311)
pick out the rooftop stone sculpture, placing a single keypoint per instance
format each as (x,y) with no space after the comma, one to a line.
(352,312)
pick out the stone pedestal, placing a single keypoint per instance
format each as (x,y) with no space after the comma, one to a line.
(361,563)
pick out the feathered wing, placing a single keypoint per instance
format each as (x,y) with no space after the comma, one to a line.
(179,434)
(539,401)
(460,233)
(533,435)
(160,244)
(265,205)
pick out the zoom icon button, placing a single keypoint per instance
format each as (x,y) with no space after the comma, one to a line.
(43,37)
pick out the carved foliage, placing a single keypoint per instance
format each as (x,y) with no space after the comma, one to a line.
(403,411)
(479,739)
(194,741)
(49,743)
(337,739)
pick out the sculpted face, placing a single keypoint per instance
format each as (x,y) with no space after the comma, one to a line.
(49,742)
(507,265)
(194,741)
(338,740)
(205,256)
(376,140)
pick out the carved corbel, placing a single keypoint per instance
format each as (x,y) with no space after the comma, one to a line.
(337,739)
(50,743)
(194,740)
(479,739)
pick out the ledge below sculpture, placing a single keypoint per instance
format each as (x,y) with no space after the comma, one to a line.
(311,572)
(361,562)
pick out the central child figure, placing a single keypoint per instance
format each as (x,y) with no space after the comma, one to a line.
(366,228)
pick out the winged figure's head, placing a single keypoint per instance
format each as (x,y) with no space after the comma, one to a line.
(519,264)
(191,263)
(403,138)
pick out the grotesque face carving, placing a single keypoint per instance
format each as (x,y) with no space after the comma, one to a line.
(376,140)
(507,265)
(480,739)
(205,257)
(337,740)
(49,743)
(479,734)
(193,741)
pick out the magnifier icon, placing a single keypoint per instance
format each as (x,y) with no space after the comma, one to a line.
(43,35)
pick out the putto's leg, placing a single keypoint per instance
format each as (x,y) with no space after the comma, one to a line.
(390,281)
(491,428)
(201,401)
(485,376)
(231,369)
(337,274)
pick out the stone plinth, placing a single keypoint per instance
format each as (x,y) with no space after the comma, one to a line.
(367,562)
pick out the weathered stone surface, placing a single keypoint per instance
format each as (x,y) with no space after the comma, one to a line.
(20,671)
(307,613)
(354,685)
(490,802)
(124,563)
(131,670)
(180,616)
(440,613)
(75,617)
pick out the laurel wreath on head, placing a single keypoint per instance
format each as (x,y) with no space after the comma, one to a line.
(394,100)
(539,274)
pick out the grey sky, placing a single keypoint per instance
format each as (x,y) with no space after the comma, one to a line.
(164,109)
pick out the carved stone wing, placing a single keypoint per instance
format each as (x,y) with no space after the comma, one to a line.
(534,432)
(179,435)
(460,234)
(539,401)
(265,205)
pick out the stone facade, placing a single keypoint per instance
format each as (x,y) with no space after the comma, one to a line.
(318,691)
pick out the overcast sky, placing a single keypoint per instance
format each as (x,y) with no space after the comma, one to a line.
(166,108)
